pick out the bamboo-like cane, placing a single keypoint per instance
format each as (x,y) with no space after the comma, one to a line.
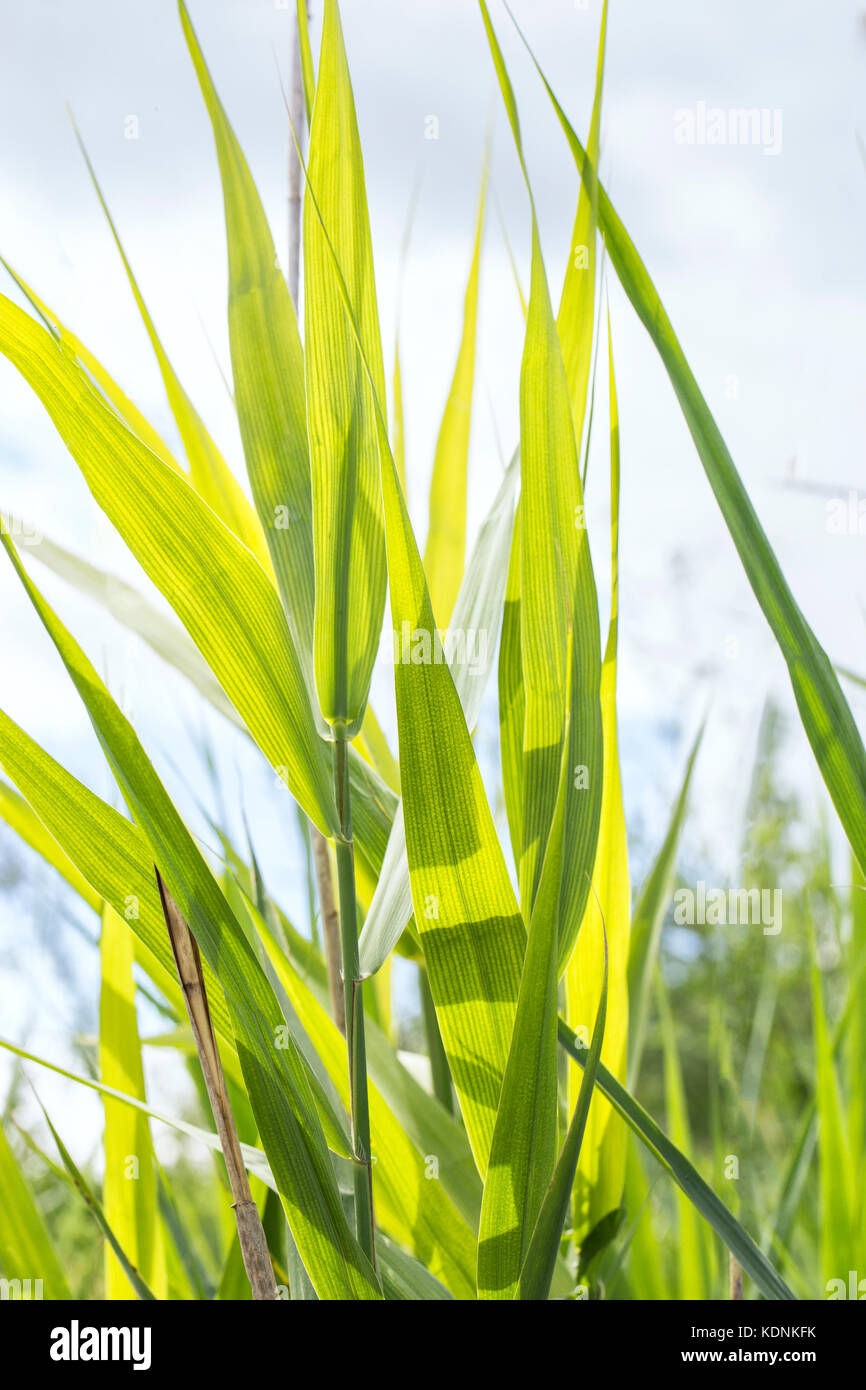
(254,1247)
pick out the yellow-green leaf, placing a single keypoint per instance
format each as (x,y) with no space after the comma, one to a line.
(601,1169)
(220,592)
(268,371)
(557,592)
(275,1075)
(576,307)
(26,1250)
(523,1148)
(348,535)
(209,473)
(129,1184)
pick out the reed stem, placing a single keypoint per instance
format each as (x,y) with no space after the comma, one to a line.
(354,1001)
(251,1235)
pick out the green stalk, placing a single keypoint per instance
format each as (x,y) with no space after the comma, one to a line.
(439,1068)
(355,1042)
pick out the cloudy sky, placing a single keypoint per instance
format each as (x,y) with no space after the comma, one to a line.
(758,256)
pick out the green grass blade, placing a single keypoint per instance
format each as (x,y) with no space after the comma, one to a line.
(220,592)
(408,1280)
(234,1285)
(647,1277)
(108,853)
(647,921)
(21,818)
(803,1147)
(139,615)
(557,590)
(275,1076)
(129,1185)
(411,1207)
(184,1265)
(537,1271)
(445,548)
(373,802)
(348,535)
(512,699)
(471,930)
(477,611)
(26,1250)
(839,1242)
(523,1148)
(307,74)
(472,933)
(577,305)
(139,1285)
(399,425)
(268,371)
(692,1272)
(855,1048)
(431,1130)
(601,1170)
(125,408)
(255,1160)
(210,475)
(824,711)
(114,858)
(684,1174)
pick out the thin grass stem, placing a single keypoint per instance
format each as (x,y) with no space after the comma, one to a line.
(354,1001)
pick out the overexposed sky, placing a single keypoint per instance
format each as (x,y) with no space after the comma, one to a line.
(758,258)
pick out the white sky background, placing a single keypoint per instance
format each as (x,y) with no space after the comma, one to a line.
(759,261)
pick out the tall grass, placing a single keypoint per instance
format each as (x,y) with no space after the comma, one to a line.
(524,1159)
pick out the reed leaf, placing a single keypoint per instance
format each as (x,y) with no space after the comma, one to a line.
(824,711)
(268,372)
(523,1147)
(476,615)
(220,592)
(537,1270)
(576,315)
(557,591)
(138,1284)
(209,473)
(26,1249)
(112,392)
(693,1280)
(114,858)
(647,922)
(417,1212)
(836,1173)
(21,818)
(683,1173)
(348,534)
(129,1184)
(601,1169)
(512,698)
(275,1076)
